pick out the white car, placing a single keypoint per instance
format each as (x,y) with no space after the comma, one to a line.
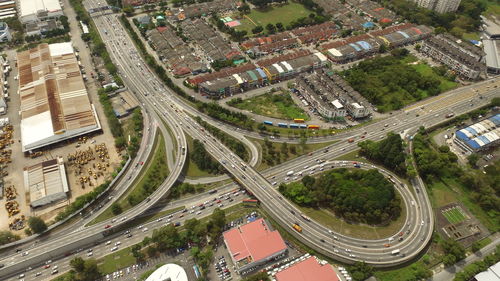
(109,242)
(118,243)
(114,249)
(145,229)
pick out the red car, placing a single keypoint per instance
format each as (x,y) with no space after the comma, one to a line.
(46,266)
(218,201)
(107,226)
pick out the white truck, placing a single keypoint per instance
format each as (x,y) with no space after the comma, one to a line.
(290,173)
(395,252)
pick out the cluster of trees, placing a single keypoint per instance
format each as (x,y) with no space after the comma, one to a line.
(360,271)
(232,143)
(137,127)
(261,276)
(484,187)
(432,163)
(453,251)
(37,225)
(272,155)
(178,3)
(389,152)
(474,268)
(355,195)
(184,188)
(236,35)
(196,234)
(153,179)
(113,122)
(82,270)
(220,64)
(7,237)
(375,80)
(438,164)
(466,19)
(204,160)
(212,109)
(261,4)
(81,201)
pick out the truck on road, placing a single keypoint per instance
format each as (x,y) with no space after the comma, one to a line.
(306,217)
(297,227)
(395,252)
(290,173)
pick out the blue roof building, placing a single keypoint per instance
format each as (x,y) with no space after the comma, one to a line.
(479,136)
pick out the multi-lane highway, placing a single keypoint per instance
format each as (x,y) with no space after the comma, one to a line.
(177,114)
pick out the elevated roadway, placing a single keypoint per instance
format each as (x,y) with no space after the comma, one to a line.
(166,104)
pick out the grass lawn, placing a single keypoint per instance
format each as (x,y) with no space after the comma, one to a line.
(116,260)
(362,231)
(289,156)
(273,105)
(192,170)
(136,190)
(472,35)
(484,242)
(277,13)
(155,216)
(442,195)
(426,70)
(352,156)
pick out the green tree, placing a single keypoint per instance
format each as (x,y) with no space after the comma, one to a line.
(472,159)
(257,29)
(271,28)
(37,224)
(116,209)
(8,237)
(78,264)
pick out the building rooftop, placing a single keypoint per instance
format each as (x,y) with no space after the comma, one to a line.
(46,182)
(170,272)
(54,100)
(253,242)
(492,50)
(28,7)
(493,273)
(308,270)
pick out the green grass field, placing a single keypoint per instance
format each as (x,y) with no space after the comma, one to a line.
(115,261)
(284,14)
(454,215)
(264,105)
(426,70)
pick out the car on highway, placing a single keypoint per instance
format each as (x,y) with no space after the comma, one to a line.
(114,249)
(145,229)
(46,266)
(21,276)
(24,254)
(38,274)
(118,243)
(90,254)
(108,242)
(55,271)
(107,226)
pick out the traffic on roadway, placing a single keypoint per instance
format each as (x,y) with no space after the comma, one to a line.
(168,109)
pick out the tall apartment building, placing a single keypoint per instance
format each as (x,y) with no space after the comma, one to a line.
(440,6)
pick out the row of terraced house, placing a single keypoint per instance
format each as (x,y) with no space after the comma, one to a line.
(265,73)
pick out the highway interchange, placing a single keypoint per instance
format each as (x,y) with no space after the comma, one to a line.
(162,104)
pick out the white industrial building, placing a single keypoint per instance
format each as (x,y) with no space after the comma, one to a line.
(32,11)
(46,182)
(54,101)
